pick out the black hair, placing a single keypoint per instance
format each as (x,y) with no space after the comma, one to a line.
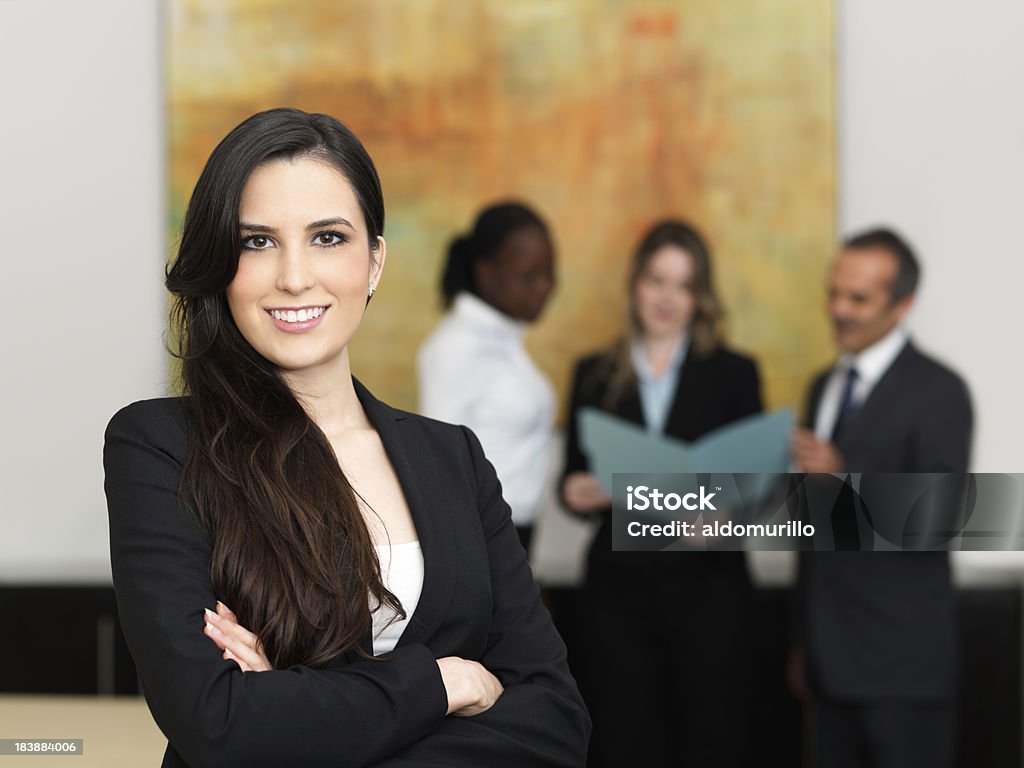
(908,270)
(290,551)
(211,243)
(493,226)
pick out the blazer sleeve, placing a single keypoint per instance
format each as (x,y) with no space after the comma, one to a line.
(942,436)
(540,719)
(796,503)
(212,713)
(575,458)
(747,400)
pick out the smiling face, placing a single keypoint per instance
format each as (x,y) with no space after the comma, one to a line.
(860,298)
(663,293)
(306,264)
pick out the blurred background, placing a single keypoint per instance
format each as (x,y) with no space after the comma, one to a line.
(777,126)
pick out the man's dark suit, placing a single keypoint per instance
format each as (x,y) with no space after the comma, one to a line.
(479,601)
(680,618)
(880,626)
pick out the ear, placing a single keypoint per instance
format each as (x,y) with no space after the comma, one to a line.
(903,307)
(377,259)
(483,277)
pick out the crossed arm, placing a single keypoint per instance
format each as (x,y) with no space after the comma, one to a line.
(469,688)
(367,713)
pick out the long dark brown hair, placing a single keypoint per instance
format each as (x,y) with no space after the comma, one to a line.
(291,554)
(705,327)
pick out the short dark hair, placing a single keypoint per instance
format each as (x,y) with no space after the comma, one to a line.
(492,228)
(908,271)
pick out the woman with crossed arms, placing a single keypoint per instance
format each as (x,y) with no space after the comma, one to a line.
(382,612)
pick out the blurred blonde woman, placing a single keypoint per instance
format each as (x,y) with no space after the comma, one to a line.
(666,647)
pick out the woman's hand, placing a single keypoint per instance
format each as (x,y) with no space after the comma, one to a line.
(470,687)
(237,643)
(583,493)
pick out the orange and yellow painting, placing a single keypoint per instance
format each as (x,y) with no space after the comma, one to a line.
(604,115)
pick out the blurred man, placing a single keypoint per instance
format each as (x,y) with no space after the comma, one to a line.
(877,629)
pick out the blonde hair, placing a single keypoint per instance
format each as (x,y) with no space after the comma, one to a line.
(706,327)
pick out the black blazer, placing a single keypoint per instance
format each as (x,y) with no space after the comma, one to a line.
(479,601)
(881,624)
(712,391)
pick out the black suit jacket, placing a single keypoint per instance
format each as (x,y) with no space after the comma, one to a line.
(880,625)
(479,601)
(712,391)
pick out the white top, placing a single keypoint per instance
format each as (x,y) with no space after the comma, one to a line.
(657,393)
(401,566)
(871,365)
(475,370)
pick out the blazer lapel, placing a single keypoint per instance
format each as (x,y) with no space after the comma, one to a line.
(677,421)
(420,478)
(871,412)
(630,407)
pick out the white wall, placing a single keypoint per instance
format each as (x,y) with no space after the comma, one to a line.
(931,140)
(931,137)
(81,237)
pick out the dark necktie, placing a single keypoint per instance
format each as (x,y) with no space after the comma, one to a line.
(847,406)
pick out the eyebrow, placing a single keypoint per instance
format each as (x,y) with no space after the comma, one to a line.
(331,222)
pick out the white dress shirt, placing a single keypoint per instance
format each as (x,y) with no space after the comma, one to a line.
(871,365)
(475,370)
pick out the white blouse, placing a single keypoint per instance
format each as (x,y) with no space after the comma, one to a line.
(475,370)
(401,566)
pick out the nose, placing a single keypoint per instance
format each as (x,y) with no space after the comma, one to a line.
(295,273)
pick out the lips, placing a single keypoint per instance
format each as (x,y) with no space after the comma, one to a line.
(297,319)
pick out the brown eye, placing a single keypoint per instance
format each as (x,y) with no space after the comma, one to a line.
(329,239)
(256,243)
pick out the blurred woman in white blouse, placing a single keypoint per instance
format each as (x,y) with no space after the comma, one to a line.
(474,368)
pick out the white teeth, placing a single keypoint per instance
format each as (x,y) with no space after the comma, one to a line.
(297,316)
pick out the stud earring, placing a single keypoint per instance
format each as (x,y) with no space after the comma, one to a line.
(371,289)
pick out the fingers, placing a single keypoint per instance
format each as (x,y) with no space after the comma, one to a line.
(488,691)
(471,688)
(810,453)
(584,492)
(801,443)
(229,656)
(238,643)
(229,626)
(818,456)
